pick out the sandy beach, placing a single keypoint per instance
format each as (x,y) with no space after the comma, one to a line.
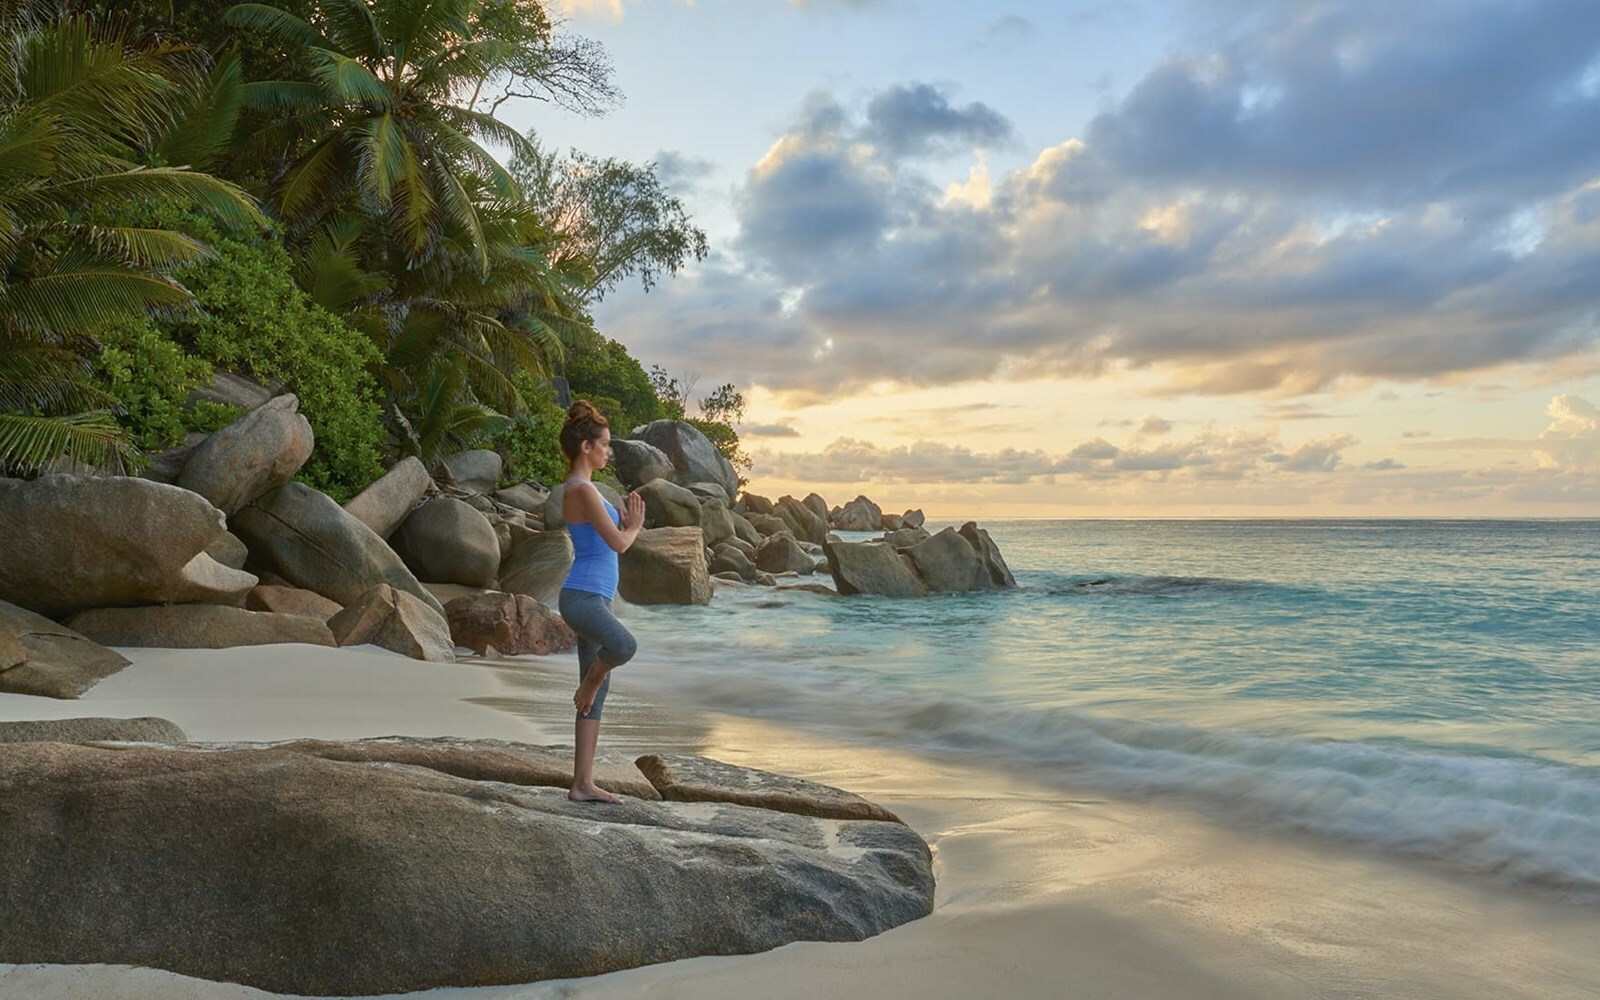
(1041,894)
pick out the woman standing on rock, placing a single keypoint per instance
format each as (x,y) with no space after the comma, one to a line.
(598,534)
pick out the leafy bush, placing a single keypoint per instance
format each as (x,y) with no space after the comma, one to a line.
(604,370)
(151,376)
(255,321)
(726,441)
(531,446)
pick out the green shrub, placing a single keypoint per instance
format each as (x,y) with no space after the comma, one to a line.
(151,376)
(726,441)
(256,322)
(605,370)
(531,446)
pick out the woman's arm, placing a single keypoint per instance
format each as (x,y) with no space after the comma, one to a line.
(593,510)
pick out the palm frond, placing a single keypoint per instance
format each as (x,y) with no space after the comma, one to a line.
(346,80)
(44,378)
(157,249)
(206,130)
(308,182)
(225,201)
(28,441)
(277,24)
(283,96)
(67,302)
(352,29)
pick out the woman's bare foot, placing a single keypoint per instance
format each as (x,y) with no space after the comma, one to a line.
(591,793)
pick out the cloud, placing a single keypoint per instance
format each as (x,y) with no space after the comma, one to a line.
(680,173)
(1572,441)
(610,10)
(1367,100)
(1009,28)
(1212,455)
(918,118)
(1345,191)
(767,430)
(1383,465)
(1154,426)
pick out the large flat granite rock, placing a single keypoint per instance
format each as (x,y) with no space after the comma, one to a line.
(295,873)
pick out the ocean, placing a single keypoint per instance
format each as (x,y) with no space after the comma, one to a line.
(1428,689)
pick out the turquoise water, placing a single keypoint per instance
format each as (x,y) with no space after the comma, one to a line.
(1426,687)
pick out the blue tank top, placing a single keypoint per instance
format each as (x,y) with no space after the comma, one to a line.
(594,565)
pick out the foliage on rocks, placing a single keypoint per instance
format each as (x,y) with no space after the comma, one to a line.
(151,376)
(254,320)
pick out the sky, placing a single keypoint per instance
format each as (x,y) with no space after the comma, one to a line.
(1180,258)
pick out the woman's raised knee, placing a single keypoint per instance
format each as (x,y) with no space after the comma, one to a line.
(621,649)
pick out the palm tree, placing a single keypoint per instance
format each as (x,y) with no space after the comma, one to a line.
(382,119)
(79,107)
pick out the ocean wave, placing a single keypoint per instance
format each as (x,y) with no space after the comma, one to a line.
(1518,819)
(1156,586)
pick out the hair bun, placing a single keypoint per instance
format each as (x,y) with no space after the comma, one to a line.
(582,408)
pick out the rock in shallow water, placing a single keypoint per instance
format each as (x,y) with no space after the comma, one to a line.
(307,875)
(871,568)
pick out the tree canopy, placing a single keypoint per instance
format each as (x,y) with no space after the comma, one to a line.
(310,192)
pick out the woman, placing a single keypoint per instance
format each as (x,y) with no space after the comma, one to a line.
(598,533)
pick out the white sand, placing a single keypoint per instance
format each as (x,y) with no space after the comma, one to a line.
(1040,894)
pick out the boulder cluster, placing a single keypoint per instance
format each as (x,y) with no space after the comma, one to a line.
(905,561)
(217,546)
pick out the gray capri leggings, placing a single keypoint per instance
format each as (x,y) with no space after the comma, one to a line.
(600,636)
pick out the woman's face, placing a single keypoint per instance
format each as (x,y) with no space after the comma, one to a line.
(599,449)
